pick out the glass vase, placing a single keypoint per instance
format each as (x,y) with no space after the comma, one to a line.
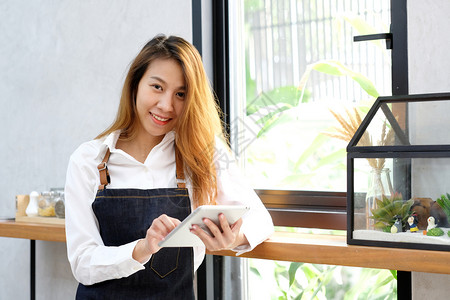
(380,186)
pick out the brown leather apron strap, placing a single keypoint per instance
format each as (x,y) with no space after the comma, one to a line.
(103,171)
(105,179)
(181,183)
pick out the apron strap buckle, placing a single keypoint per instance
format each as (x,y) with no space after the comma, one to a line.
(103,171)
(181,183)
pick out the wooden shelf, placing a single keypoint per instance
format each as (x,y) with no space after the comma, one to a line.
(308,248)
(33,231)
(333,250)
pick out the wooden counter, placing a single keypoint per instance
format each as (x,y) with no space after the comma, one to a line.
(333,250)
(308,248)
(33,231)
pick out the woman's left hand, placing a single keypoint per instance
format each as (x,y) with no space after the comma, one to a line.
(224,236)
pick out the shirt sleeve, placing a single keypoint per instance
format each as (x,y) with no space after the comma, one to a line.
(91,261)
(233,189)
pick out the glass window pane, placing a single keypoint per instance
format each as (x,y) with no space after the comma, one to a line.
(313,281)
(402,123)
(297,63)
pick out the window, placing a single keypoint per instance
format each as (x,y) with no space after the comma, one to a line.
(292,65)
(281,124)
(264,51)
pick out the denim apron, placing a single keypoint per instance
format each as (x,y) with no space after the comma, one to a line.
(124,215)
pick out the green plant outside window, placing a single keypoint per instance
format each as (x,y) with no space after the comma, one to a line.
(288,118)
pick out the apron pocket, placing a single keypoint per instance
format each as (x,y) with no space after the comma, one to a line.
(165,261)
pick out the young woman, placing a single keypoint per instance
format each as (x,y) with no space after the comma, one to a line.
(163,156)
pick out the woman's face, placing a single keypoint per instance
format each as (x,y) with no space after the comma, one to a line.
(160,98)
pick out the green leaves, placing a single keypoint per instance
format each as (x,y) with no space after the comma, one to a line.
(373,284)
(435,232)
(305,281)
(268,109)
(288,96)
(255,271)
(394,273)
(444,203)
(388,208)
(274,120)
(292,270)
(336,68)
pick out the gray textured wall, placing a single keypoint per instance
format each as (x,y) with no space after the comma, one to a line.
(62,64)
(428,47)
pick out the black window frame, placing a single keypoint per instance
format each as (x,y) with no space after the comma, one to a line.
(310,209)
(297,208)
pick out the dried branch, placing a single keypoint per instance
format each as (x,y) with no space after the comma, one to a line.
(348,129)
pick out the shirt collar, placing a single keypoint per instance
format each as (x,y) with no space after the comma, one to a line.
(111,140)
(108,142)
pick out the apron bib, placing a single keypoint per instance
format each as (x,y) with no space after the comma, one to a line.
(124,215)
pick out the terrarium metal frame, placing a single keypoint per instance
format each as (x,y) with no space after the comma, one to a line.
(405,152)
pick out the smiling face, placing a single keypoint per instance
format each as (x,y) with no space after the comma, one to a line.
(160,98)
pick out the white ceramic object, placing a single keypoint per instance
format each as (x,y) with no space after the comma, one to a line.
(32,208)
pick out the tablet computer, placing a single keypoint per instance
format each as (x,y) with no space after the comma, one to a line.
(182,237)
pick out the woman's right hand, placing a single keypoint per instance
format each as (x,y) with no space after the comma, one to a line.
(159,229)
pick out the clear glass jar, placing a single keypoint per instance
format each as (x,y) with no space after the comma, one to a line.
(59,205)
(46,204)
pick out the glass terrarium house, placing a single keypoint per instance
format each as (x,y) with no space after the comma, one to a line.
(398,174)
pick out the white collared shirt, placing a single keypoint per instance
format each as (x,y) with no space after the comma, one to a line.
(91,261)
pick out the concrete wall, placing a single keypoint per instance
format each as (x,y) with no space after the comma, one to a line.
(428,47)
(62,64)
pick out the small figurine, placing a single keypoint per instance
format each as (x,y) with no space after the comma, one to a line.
(421,209)
(397,227)
(431,223)
(412,221)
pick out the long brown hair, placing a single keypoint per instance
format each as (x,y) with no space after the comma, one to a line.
(197,126)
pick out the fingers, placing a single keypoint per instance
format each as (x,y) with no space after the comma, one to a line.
(223,235)
(160,227)
(158,230)
(236,227)
(169,223)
